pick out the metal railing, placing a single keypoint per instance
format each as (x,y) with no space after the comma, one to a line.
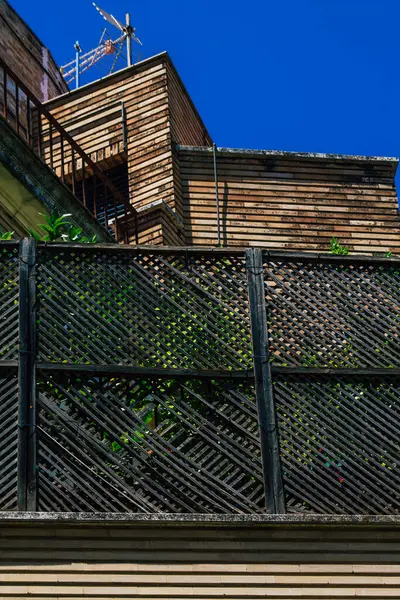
(55,146)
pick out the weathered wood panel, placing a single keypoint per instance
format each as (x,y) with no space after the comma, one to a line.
(186,128)
(157,226)
(177,562)
(159,113)
(289,201)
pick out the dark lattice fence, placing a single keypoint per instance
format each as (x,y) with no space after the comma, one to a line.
(206,381)
(9,350)
(339,447)
(333,314)
(145,445)
(339,443)
(9,288)
(152,309)
(145,400)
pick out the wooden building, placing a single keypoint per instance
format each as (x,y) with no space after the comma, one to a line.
(283,200)
(139,133)
(141,125)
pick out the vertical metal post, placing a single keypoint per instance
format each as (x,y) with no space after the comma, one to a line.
(124,127)
(95,195)
(105,207)
(136,229)
(17,106)
(27,379)
(273,483)
(217,195)
(73,167)
(128,39)
(32,442)
(51,145)
(62,158)
(5,92)
(78,49)
(40,134)
(29,121)
(83,183)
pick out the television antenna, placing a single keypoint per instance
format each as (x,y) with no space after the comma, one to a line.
(106,47)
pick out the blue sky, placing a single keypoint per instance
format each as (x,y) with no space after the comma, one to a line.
(300,75)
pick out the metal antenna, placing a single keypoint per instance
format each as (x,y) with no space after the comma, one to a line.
(78,50)
(129,31)
(106,47)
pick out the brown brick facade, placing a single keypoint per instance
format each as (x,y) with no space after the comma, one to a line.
(25,54)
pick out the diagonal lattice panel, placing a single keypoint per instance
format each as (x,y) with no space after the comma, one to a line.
(108,444)
(154,310)
(9,293)
(339,442)
(333,314)
(8,439)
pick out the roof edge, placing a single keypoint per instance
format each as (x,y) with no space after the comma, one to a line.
(286,154)
(118,74)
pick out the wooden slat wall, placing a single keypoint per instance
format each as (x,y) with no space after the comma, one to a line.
(157,226)
(187,128)
(93,117)
(156,561)
(290,203)
(159,115)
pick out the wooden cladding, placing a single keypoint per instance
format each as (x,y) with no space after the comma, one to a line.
(289,202)
(110,561)
(159,114)
(271,200)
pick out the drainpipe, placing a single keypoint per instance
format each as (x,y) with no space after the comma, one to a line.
(124,127)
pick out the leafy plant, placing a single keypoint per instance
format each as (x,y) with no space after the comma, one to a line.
(337,248)
(5,236)
(55,229)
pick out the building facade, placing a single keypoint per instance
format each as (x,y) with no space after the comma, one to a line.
(177,421)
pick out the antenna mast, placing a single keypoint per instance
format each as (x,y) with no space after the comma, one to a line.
(107,46)
(129,32)
(77,73)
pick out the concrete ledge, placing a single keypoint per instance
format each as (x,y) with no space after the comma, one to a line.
(392,521)
(249,153)
(40,181)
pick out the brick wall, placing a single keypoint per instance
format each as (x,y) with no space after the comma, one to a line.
(27,56)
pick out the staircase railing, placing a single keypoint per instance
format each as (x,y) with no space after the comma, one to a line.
(53,144)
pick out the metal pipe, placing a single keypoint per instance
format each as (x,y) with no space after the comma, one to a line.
(129,39)
(78,49)
(124,127)
(216,195)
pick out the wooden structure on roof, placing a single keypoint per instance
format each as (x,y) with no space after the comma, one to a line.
(143,121)
(290,201)
(134,119)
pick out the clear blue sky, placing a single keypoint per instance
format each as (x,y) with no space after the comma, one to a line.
(302,75)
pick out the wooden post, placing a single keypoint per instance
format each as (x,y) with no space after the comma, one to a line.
(26,377)
(273,484)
